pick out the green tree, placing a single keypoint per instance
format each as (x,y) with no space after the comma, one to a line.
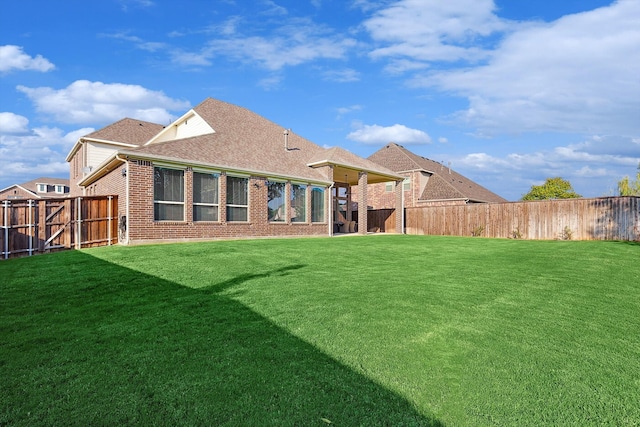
(626,187)
(553,188)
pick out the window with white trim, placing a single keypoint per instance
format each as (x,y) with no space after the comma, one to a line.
(388,187)
(237,199)
(59,189)
(298,203)
(317,204)
(276,202)
(41,188)
(168,194)
(406,184)
(205,196)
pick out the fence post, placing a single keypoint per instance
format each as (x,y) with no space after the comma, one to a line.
(5,226)
(78,223)
(109,220)
(31,228)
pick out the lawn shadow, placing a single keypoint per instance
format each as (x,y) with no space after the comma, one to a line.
(114,346)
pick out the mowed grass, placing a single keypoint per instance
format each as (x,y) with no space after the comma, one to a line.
(372,330)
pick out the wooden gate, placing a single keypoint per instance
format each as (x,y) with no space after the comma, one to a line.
(38,226)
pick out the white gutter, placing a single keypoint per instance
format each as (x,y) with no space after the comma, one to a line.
(126,197)
(230,169)
(330,210)
(402,219)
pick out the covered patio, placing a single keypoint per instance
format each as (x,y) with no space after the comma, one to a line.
(351,176)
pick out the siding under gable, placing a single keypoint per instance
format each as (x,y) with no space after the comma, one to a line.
(188,127)
(98,153)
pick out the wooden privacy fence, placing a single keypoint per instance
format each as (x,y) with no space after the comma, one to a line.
(606,218)
(379,220)
(37,226)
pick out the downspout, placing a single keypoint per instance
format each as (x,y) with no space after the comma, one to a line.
(126,198)
(330,220)
(402,217)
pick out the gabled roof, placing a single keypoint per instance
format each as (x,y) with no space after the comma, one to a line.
(31,186)
(125,132)
(348,164)
(444,183)
(245,141)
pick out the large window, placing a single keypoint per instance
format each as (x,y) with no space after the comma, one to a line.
(237,198)
(205,196)
(298,203)
(317,204)
(168,194)
(276,203)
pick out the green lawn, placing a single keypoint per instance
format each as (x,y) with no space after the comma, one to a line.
(373,330)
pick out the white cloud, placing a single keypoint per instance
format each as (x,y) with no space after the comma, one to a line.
(85,102)
(576,74)
(379,135)
(13,58)
(592,169)
(297,42)
(137,41)
(13,123)
(443,140)
(346,110)
(342,76)
(41,152)
(434,30)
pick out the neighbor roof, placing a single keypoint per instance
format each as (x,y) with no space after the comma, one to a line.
(31,186)
(444,183)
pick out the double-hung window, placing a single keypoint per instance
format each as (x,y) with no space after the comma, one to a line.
(276,201)
(237,199)
(317,204)
(168,194)
(406,184)
(298,203)
(205,196)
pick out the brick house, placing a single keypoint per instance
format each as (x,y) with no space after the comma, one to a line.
(222,171)
(426,182)
(39,188)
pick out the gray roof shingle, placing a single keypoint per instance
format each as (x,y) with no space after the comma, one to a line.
(127,131)
(444,182)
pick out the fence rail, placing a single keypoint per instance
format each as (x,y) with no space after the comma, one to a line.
(605,218)
(37,226)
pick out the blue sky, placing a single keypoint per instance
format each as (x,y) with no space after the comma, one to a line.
(506,92)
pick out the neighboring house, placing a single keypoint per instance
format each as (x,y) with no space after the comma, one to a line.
(427,182)
(39,188)
(222,171)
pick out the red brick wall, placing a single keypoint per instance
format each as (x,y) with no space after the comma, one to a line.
(142,226)
(75,173)
(14,193)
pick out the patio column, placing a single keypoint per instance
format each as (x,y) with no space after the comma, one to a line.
(363,178)
(399,207)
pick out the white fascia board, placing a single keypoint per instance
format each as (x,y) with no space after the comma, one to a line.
(102,169)
(80,141)
(394,176)
(169,128)
(232,170)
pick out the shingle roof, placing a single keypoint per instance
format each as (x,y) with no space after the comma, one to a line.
(127,131)
(31,186)
(244,140)
(444,182)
